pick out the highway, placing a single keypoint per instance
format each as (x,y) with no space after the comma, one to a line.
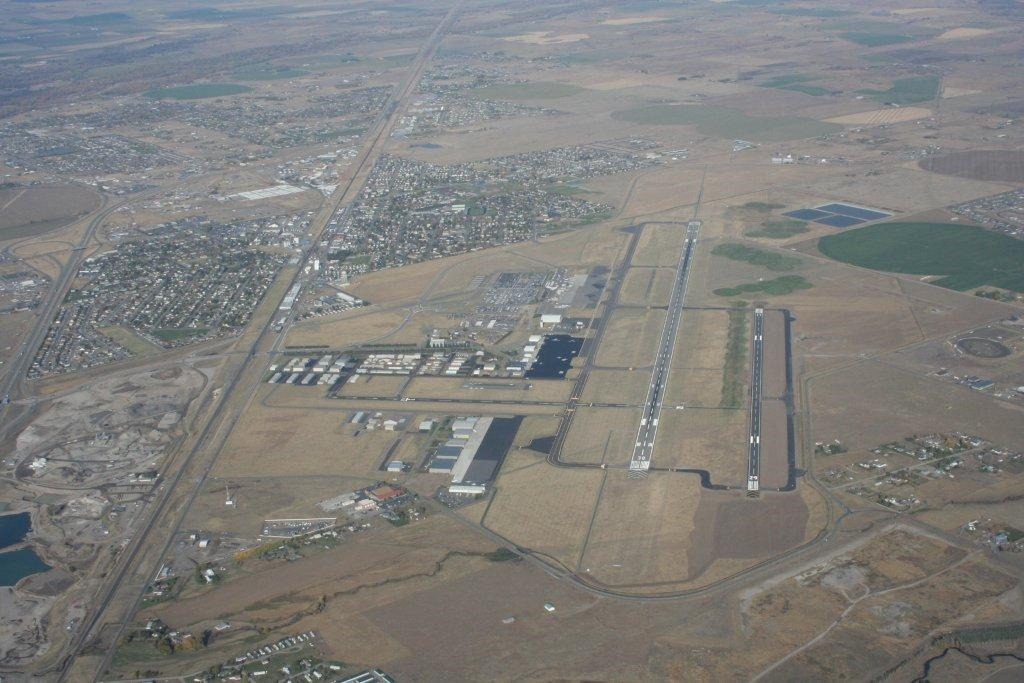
(136,556)
(12,384)
(647,432)
(756,372)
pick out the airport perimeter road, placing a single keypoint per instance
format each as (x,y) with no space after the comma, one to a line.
(647,432)
(756,371)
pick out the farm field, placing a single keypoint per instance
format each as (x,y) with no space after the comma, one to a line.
(960,257)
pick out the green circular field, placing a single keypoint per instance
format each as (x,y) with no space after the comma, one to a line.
(961,256)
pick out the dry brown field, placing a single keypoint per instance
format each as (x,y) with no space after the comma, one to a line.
(660,245)
(493,389)
(561,502)
(647,287)
(631,338)
(713,440)
(601,435)
(616,386)
(356,326)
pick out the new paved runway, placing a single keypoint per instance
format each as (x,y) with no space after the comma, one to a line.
(756,365)
(647,433)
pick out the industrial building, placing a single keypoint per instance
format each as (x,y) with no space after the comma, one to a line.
(475,452)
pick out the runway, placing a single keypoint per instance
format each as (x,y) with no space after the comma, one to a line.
(756,371)
(647,432)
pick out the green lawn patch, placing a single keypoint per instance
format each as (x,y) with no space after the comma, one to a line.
(725,122)
(127,338)
(536,90)
(757,257)
(907,90)
(962,256)
(179,333)
(784,284)
(566,189)
(779,229)
(198,91)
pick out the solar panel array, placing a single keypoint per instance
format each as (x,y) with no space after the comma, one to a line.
(838,215)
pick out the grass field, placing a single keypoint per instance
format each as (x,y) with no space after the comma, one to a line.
(779,229)
(964,257)
(726,122)
(735,360)
(907,90)
(198,91)
(267,72)
(129,340)
(537,90)
(785,284)
(756,257)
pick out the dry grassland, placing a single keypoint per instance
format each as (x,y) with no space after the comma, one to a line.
(712,440)
(601,435)
(663,189)
(732,532)
(903,189)
(631,338)
(659,245)
(698,360)
(544,508)
(964,32)
(280,441)
(616,386)
(445,387)
(259,498)
(534,427)
(696,388)
(773,372)
(629,21)
(774,445)
(905,616)
(488,649)
(647,287)
(353,327)
(371,385)
(641,529)
(872,403)
(422,406)
(547,38)
(787,615)
(269,594)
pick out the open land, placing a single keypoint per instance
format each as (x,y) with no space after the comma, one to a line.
(349,321)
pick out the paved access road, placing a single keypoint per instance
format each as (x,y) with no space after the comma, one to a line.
(647,433)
